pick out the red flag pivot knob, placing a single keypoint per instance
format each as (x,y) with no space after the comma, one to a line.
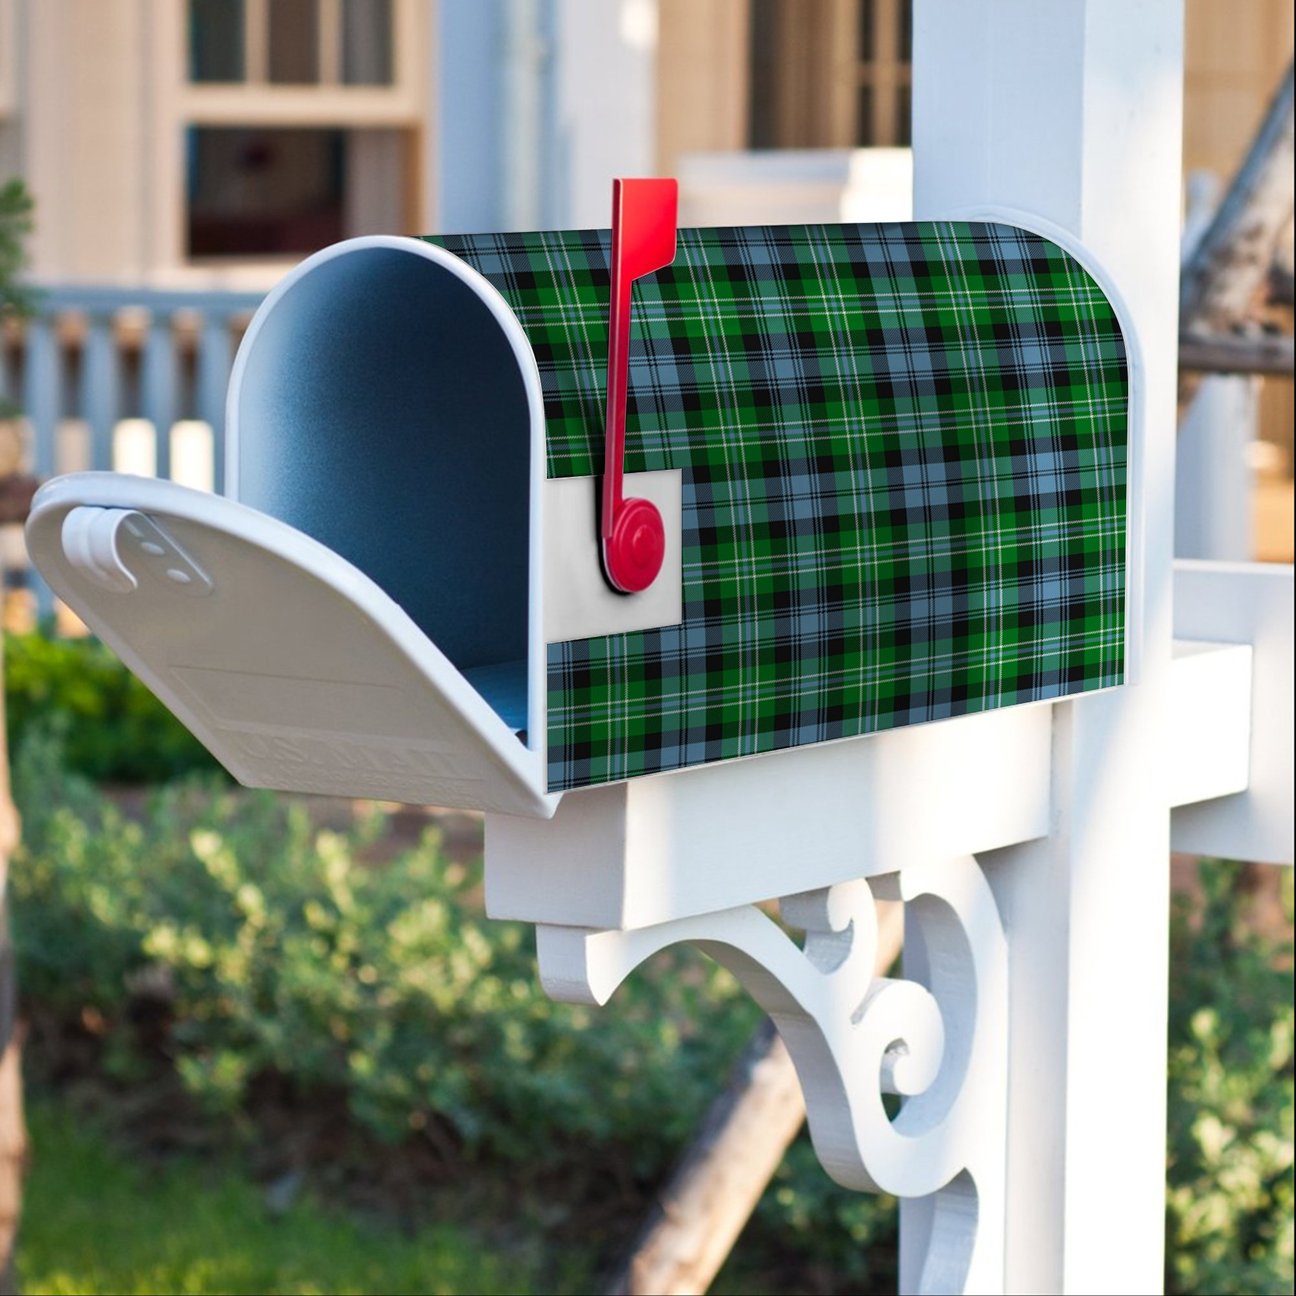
(633,553)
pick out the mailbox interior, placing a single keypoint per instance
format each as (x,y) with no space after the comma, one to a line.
(385,403)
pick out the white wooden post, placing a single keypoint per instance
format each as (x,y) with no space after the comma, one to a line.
(1214,512)
(1072,112)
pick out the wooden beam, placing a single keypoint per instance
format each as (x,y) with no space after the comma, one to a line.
(13,1131)
(1236,353)
(1281,285)
(710,1197)
(739,1144)
(1283,265)
(1225,275)
(1280,272)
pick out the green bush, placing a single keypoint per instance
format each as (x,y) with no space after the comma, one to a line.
(845,1240)
(282,953)
(1229,1201)
(113,728)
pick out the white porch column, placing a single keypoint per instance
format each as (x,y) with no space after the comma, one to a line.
(604,88)
(1072,111)
(1214,482)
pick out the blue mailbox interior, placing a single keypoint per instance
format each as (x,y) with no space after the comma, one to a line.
(382,411)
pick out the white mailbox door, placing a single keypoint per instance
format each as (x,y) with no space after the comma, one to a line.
(287,662)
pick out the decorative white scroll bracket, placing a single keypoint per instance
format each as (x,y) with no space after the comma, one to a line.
(936,1037)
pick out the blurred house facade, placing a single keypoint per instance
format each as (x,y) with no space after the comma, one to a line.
(212,142)
(202,147)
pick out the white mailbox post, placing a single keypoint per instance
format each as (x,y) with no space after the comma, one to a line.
(407,616)
(1032,846)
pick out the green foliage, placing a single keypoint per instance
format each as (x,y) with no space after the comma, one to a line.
(16,207)
(15,224)
(848,1239)
(1230,1198)
(111,726)
(94,1221)
(283,954)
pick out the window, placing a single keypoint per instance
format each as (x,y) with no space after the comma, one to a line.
(293,53)
(296,123)
(884,70)
(256,192)
(264,192)
(366,42)
(830,73)
(291,42)
(216,50)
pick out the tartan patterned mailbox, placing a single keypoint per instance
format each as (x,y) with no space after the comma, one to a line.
(904,459)
(893,460)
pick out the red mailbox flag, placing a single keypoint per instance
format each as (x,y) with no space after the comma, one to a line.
(643,240)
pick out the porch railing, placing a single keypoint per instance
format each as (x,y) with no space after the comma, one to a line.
(125,379)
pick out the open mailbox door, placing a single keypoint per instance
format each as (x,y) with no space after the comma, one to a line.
(293,667)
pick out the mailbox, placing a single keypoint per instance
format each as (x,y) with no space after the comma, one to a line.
(888,467)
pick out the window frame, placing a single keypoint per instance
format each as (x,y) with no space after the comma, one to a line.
(255,100)
(180,103)
(816,96)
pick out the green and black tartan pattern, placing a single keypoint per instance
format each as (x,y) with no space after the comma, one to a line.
(904,454)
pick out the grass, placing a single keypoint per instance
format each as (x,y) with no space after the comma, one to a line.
(97,1221)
